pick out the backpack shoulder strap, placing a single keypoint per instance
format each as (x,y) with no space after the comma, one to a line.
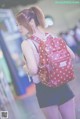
(34,38)
(35,46)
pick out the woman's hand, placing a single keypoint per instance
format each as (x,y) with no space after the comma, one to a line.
(25,68)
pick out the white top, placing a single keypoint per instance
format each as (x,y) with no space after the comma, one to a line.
(35,77)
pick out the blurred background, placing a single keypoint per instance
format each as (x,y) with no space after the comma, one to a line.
(62,19)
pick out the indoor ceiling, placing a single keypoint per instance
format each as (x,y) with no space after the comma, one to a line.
(14,3)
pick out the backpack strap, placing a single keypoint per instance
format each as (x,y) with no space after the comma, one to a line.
(34,38)
(35,46)
(38,40)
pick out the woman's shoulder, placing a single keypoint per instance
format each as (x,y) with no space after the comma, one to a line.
(25,43)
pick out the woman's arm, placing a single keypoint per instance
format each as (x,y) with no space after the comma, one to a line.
(71,52)
(31,65)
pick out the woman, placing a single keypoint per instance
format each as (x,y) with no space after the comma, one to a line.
(51,100)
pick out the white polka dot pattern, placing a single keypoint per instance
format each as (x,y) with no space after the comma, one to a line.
(55,67)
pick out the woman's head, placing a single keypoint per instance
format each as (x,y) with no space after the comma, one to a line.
(29,18)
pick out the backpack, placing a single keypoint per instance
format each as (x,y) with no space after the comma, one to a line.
(55,63)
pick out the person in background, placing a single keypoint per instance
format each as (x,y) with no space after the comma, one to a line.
(71,42)
(77,37)
(52,101)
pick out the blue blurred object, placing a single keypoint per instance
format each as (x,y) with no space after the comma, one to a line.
(10,43)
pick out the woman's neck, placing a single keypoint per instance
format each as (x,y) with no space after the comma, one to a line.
(39,32)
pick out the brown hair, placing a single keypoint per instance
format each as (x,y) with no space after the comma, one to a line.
(27,15)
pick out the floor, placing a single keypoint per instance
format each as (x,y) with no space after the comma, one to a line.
(22,112)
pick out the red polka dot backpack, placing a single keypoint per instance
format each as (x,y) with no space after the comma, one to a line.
(55,63)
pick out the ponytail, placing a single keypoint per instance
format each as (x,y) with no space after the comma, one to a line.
(39,15)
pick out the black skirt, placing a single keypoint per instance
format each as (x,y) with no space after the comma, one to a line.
(48,96)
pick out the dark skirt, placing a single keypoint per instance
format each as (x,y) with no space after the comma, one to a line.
(53,96)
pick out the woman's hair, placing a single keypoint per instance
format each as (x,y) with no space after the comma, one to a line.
(26,15)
